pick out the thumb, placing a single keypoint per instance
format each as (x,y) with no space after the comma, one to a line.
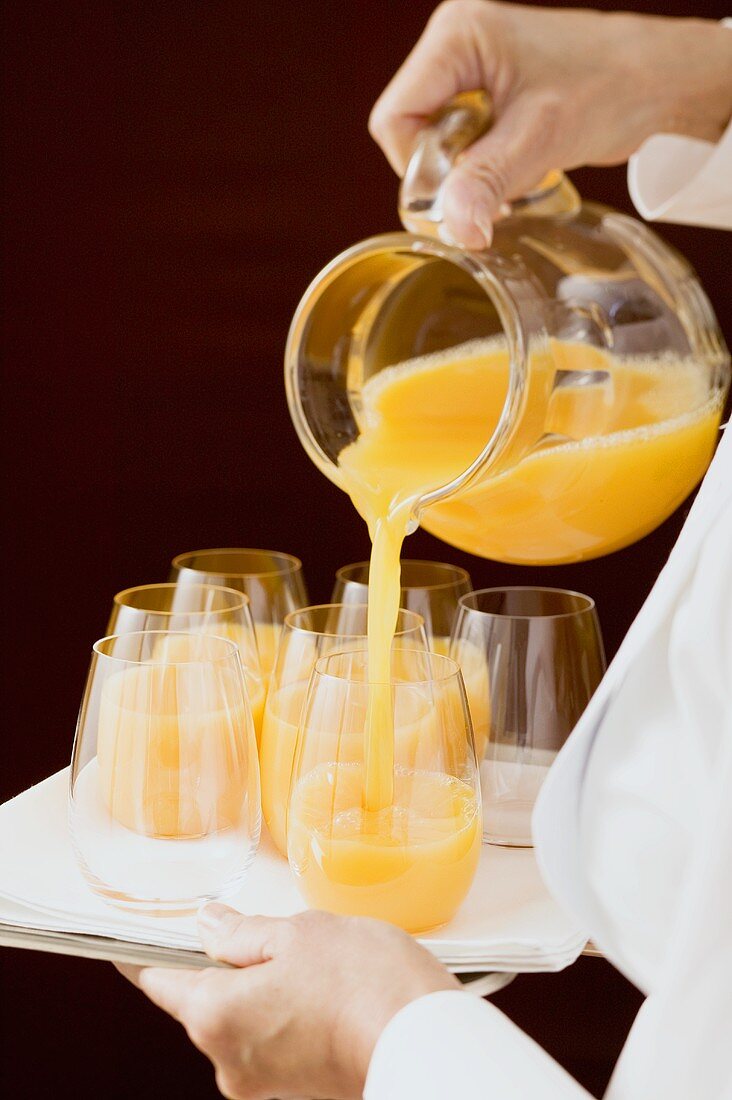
(504,164)
(230,937)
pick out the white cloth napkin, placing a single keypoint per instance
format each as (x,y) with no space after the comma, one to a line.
(508,922)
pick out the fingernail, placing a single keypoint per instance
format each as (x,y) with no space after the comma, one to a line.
(213,916)
(484,225)
(446,236)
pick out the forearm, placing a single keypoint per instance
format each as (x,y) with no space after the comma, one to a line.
(666,74)
(684,73)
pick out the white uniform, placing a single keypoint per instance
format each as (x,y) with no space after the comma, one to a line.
(633,829)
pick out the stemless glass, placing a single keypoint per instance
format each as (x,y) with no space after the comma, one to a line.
(195,609)
(410,854)
(531,659)
(273,582)
(431,588)
(164,807)
(308,634)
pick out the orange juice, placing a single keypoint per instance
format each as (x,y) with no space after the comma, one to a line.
(268,636)
(175,647)
(474,667)
(172,763)
(561,492)
(255,678)
(419,743)
(277,753)
(411,863)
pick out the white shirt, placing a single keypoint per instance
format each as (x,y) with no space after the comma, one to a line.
(633,828)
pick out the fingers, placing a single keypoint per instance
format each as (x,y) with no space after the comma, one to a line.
(127,970)
(169,989)
(446,60)
(233,938)
(510,160)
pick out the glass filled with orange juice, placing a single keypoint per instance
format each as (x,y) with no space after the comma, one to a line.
(195,609)
(273,581)
(164,805)
(431,588)
(308,634)
(410,856)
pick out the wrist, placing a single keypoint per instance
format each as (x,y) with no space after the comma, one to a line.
(388,1007)
(693,66)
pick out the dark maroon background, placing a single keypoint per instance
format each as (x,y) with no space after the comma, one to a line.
(176,173)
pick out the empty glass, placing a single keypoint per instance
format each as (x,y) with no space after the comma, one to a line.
(308,634)
(164,807)
(431,588)
(384,814)
(273,582)
(531,659)
(195,609)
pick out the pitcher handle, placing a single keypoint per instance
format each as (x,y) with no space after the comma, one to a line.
(448,133)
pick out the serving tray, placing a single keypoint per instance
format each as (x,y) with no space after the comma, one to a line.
(508,923)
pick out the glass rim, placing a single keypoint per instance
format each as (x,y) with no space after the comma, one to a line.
(293,563)
(241,597)
(404,611)
(451,669)
(231,648)
(588,601)
(461,574)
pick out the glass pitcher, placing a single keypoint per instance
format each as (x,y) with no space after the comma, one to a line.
(574,371)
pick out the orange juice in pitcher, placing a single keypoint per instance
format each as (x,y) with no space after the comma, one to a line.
(510,397)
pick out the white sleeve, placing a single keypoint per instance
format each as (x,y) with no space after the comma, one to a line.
(679,179)
(454,1044)
(680,1046)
